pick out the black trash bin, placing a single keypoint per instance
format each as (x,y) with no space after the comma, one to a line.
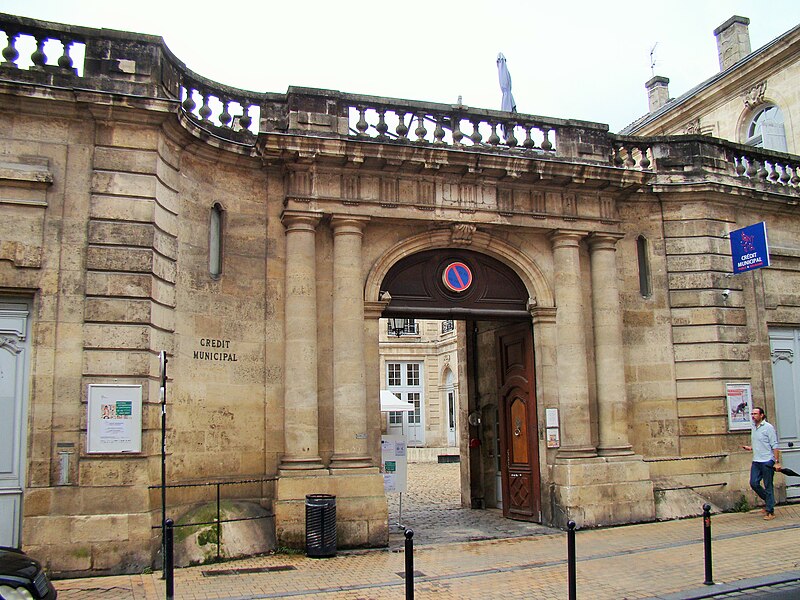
(320,525)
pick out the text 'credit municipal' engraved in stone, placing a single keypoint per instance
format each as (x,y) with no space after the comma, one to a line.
(219,350)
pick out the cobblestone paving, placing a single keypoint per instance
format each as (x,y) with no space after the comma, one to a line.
(432,508)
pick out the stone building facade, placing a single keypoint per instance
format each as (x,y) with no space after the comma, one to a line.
(419,365)
(258,239)
(754,98)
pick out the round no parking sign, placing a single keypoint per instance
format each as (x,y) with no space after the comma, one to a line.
(457,277)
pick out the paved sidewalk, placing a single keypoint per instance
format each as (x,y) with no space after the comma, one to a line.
(653,560)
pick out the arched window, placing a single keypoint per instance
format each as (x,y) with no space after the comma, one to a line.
(766,129)
(644,266)
(215,242)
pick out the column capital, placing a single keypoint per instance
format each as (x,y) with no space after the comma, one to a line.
(604,240)
(345,224)
(298,220)
(561,238)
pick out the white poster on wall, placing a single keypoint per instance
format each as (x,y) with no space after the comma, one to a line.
(740,403)
(114,422)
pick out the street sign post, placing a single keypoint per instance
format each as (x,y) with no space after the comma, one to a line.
(162,360)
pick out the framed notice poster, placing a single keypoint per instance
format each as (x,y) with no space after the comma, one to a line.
(740,402)
(394,462)
(114,422)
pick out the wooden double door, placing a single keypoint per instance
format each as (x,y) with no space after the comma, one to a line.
(519,439)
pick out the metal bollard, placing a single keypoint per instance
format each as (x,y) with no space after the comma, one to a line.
(409,564)
(169,566)
(571,560)
(707,543)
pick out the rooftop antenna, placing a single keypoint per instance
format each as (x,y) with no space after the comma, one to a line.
(653,60)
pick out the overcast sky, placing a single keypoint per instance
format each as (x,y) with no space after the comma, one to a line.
(573,59)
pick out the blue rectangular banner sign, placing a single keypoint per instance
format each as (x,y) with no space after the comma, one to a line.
(749,248)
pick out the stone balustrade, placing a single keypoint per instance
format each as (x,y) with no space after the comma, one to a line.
(128,63)
(631,152)
(457,126)
(227,111)
(766,166)
(690,154)
(142,65)
(42,34)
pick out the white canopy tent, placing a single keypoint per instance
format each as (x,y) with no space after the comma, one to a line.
(391,403)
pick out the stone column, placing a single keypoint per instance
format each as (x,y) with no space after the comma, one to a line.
(573,377)
(349,386)
(301,429)
(612,404)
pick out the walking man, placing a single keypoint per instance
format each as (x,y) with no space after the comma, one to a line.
(766,459)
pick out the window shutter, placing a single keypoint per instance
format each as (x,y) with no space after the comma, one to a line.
(773,136)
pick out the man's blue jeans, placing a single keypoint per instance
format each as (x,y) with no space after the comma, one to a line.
(763,472)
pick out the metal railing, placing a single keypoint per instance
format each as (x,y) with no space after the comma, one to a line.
(218,521)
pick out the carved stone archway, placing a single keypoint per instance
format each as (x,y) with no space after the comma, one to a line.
(540,291)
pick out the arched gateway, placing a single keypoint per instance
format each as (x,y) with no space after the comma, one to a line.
(457,283)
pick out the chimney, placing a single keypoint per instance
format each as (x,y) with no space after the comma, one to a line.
(657,92)
(733,41)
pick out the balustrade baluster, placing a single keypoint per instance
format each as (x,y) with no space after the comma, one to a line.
(795,180)
(420,131)
(773,172)
(511,141)
(528,143)
(762,172)
(476,136)
(751,170)
(382,127)
(10,54)
(438,133)
(188,103)
(205,109)
(65,60)
(494,139)
(739,165)
(546,145)
(361,125)
(38,58)
(629,162)
(225,116)
(644,162)
(617,159)
(785,174)
(457,134)
(245,121)
(402,129)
